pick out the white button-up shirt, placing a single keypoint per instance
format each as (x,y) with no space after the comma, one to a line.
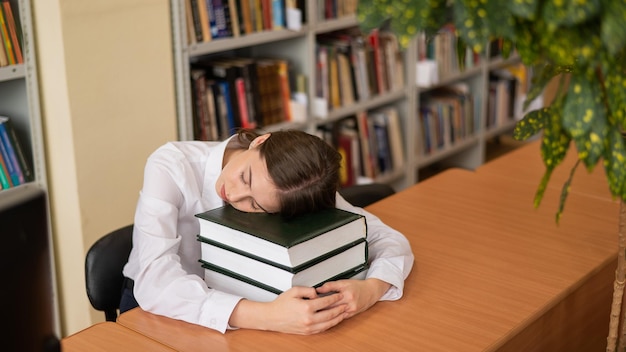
(179,182)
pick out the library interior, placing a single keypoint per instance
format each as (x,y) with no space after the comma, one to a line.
(452,131)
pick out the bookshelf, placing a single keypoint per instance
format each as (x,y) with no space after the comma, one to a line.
(19,100)
(299,48)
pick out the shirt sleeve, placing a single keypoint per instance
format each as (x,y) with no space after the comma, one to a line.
(390,255)
(162,286)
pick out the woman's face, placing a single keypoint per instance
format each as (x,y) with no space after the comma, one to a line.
(245,183)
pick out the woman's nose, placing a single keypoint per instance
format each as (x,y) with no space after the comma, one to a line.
(238,193)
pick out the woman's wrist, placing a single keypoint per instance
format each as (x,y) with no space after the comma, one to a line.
(248,315)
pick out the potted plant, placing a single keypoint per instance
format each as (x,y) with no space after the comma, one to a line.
(583,42)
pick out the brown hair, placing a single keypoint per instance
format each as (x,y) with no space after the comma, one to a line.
(304,168)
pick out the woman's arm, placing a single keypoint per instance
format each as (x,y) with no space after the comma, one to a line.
(390,262)
(295,311)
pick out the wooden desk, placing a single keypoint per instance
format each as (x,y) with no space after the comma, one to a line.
(491,273)
(109,336)
(525,165)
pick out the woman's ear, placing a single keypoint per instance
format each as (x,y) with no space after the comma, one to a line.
(259,140)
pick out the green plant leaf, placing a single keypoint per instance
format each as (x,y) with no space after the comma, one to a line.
(526,9)
(615,85)
(408,17)
(613,30)
(615,164)
(554,146)
(469,19)
(542,74)
(584,117)
(527,39)
(565,191)
(533,122)
(559,13)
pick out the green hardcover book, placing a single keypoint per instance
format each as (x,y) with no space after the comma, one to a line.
(283,277)
(230,282)
(285,242)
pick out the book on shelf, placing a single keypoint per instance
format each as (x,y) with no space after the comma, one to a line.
(6,39)
(288,242)
(14,29)
(7,150)
(280,276)
(5,180)
(233,283)
(22,160)
(4,59)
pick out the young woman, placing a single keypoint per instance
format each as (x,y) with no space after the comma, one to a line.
(289,172)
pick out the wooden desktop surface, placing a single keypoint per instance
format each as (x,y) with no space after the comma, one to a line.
(525,165)
(491,273)
(109,336)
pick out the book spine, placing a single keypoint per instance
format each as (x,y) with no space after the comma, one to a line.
(228,104)
(6,39)
(5,181)
(242,103)
(222,19)
(8,151)
(278,14)
(246,15)
(233,11)
(285,90)
(204,20)
(4,59)
(13,32)
(9,161)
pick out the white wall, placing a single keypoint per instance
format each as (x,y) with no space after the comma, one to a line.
(107,95)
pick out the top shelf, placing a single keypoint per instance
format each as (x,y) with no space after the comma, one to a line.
(8,73)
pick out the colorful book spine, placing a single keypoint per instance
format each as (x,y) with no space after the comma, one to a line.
(25,165)
(5,181)
(13,32)
(9,156)
(6,39)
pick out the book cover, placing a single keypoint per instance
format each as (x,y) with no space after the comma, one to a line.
(287,242)
(9,154)
(233,283)
(283,277)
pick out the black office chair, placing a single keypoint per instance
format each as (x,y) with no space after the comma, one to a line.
(103,270)
(366,194)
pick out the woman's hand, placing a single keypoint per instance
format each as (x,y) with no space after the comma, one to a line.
(357,295)
(298,310)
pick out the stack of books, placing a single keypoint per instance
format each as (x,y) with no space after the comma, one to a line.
(258,256)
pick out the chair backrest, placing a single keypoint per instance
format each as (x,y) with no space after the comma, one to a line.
(366,194)
(103,270)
